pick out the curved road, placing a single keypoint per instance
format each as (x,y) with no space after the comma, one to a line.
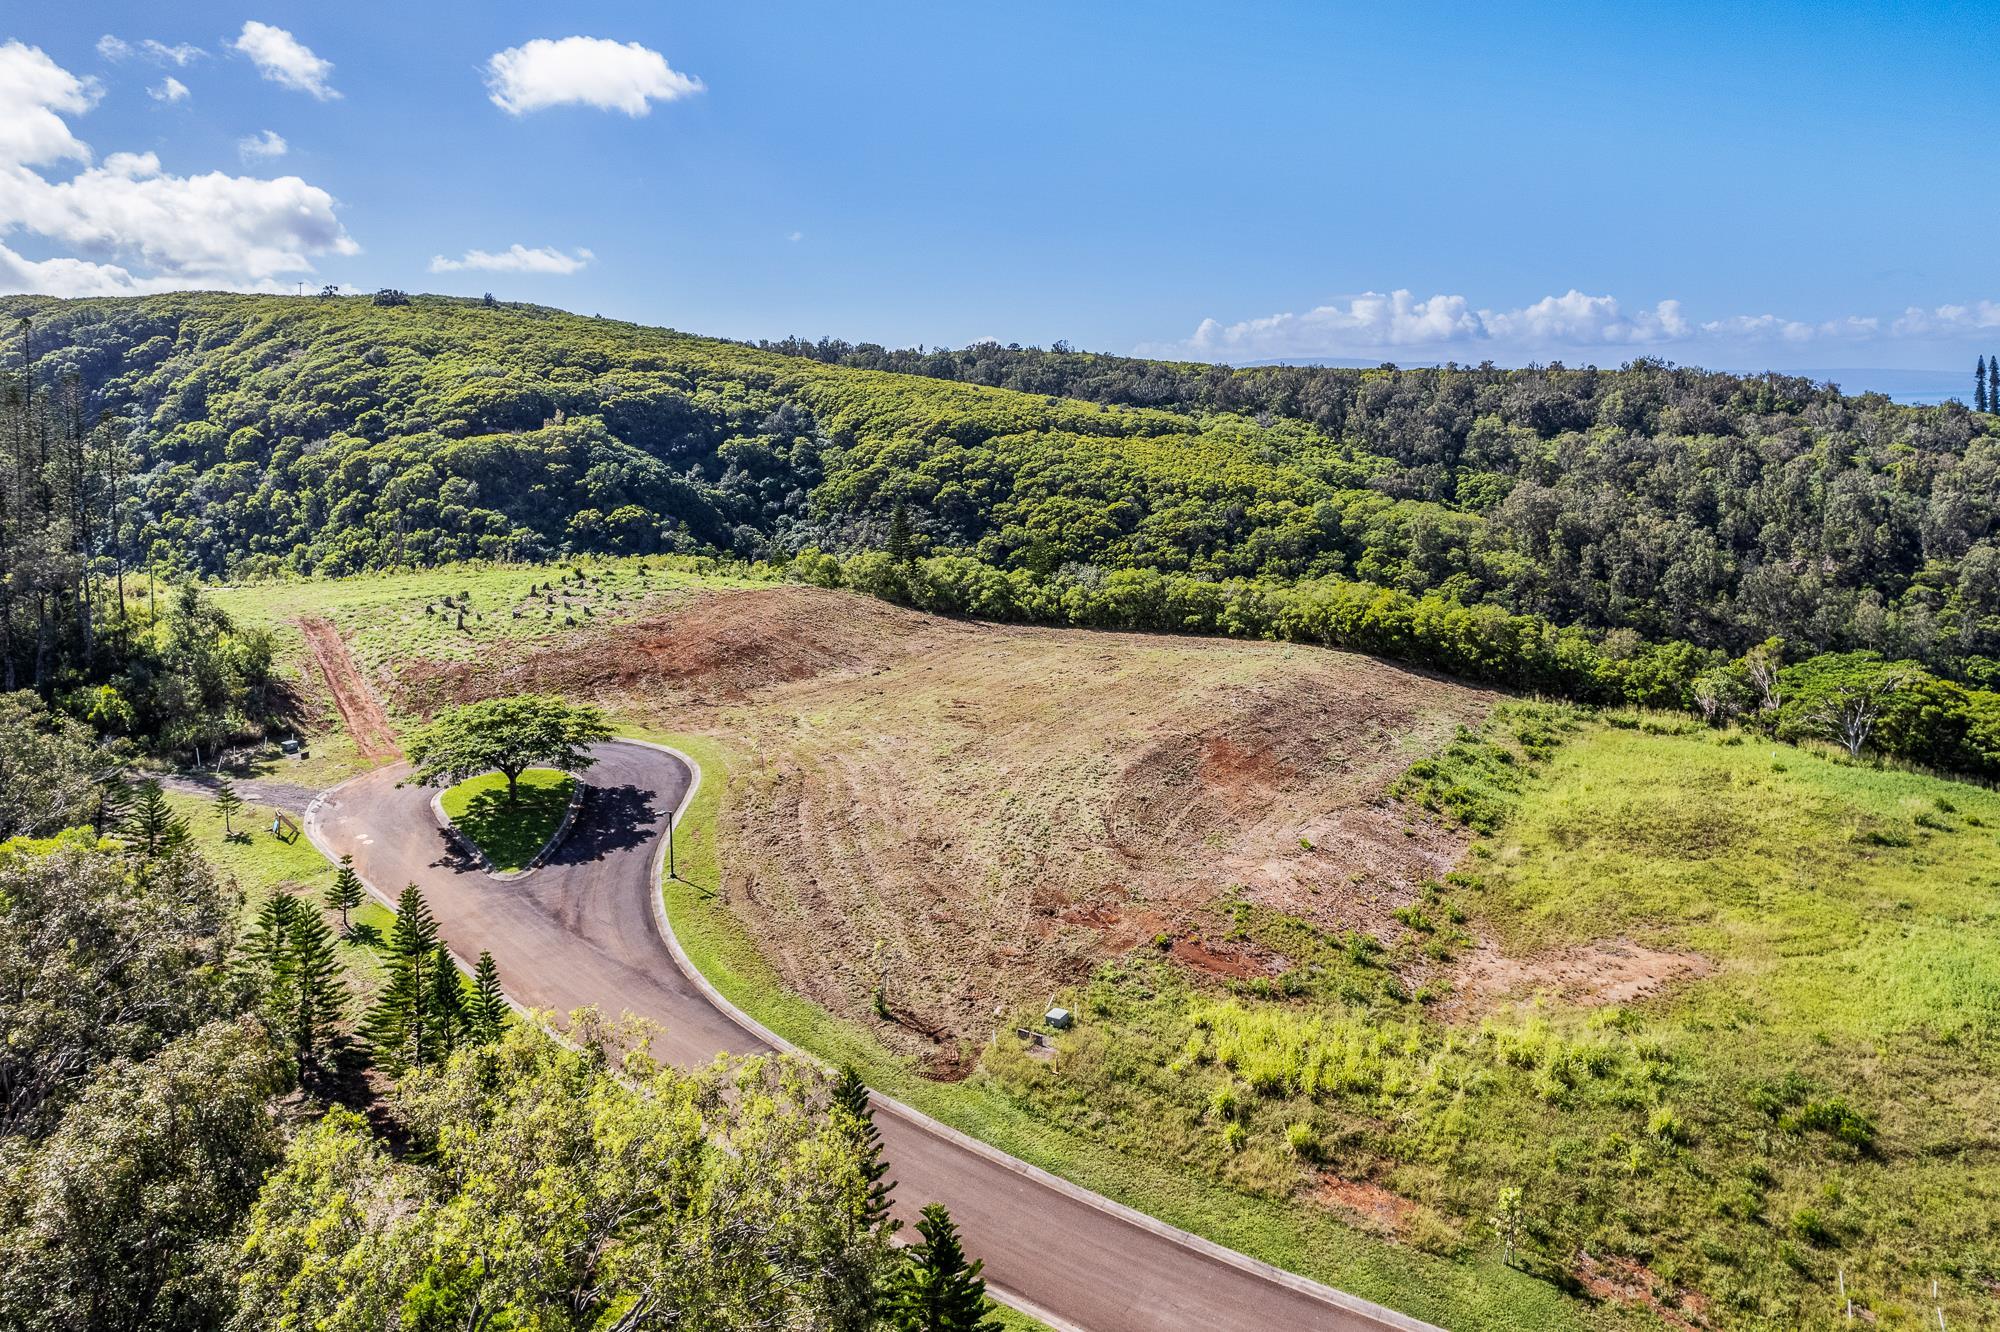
(587,928)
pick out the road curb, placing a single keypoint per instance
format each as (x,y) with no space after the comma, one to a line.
(310,823)
(1317,1290)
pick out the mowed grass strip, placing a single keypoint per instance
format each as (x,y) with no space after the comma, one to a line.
(509,833)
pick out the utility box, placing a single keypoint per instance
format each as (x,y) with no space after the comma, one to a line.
(1059,1019)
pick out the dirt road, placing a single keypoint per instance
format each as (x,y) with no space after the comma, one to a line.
(585,929)
(359,708)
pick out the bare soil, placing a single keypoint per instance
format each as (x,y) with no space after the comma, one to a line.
(1365,1202)
(359,708)
(1610,971)
(964,817)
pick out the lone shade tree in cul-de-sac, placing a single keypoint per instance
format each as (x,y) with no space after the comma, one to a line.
(507,736)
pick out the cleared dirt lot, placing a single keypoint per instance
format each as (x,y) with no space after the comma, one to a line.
(956,818)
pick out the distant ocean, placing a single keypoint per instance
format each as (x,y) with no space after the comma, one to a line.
(1917,386)
(1911,386)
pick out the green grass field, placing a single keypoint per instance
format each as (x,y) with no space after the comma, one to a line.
(395,617)
(1734,1146)
(510,833)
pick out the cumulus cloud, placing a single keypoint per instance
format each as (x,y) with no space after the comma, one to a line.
(210,230)
(266,145)
(515,259)
(1449,325)
(584,71)
(113,48)
(35,94)
(285,60)
(172,90)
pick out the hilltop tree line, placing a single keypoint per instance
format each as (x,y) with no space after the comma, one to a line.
(186,1140)
(331,435)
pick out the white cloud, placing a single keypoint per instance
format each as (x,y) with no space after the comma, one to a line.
(515,259)
(173,90)
(35,92)
(1948,320)
(180,54)
(285,60)
(584,71)
(268,144)
(1448,325)
(210,230)
(796,236)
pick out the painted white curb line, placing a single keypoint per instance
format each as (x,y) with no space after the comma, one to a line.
(311,825)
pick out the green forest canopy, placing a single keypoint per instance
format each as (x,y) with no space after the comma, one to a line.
(333,434)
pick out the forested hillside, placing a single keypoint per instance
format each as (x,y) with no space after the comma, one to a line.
(336,434)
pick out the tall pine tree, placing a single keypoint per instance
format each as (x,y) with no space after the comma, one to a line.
(227,802)
(288,962)
(1993,383)
(344,893)
(486,1011)
(935,1289)
(446,1004)
(850,1100)
(316,993)
(156,829)
(402,1028)
(1979,386)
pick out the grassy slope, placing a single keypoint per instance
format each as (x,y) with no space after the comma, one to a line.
(1857,964)
(1463,1295)
(385,620)
(510,835)
(1854,917)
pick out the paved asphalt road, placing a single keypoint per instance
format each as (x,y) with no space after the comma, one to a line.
(582,930)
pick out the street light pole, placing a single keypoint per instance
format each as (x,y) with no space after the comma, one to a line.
(671,874)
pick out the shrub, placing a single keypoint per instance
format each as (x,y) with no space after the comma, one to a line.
(1667,1126)
(1301,1141)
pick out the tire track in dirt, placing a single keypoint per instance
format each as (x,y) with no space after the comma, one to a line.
(359,708)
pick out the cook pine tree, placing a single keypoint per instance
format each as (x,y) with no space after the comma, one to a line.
(935,1288)
(413,1024)
(344,894)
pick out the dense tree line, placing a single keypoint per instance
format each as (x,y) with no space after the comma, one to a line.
(1719,509)
(78,621)
(272,434)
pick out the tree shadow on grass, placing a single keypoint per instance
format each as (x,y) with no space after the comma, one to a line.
(511,834)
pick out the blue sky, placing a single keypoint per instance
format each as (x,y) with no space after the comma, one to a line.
(1749,186)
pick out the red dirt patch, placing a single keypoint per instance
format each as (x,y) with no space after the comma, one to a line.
(1613,971)
(721,647)
(1196,954)
(1374,1206)
(971,816)
(1627,1281)
(359,708)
